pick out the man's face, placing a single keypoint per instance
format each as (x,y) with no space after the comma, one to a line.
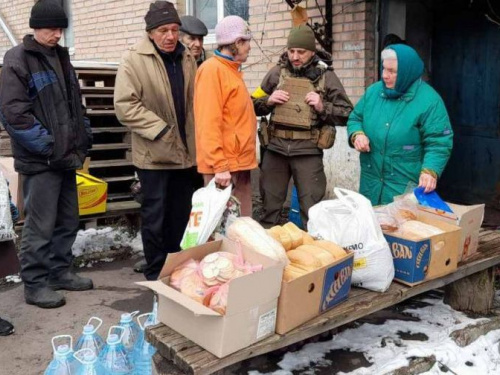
(390,72)
(194,43)
(299,56)
(48,37)
(166,37)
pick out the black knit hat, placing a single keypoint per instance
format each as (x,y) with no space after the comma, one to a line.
(47,14)
(161,13)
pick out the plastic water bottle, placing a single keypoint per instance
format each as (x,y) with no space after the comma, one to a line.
(63,362)
(153,315)
(143,351)
(89,338)
(131,330)
(114,356)
(89,363)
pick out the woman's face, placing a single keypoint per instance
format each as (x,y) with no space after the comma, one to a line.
(243,47)
(390,72)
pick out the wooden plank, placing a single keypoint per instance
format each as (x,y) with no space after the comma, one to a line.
(110,129)
(96,73)
(100,112)
(110,163)
(118,179)
(94,89)
(110,146)
(359,304)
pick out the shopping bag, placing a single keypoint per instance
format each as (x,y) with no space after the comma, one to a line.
(7,232)
(350,222)
(208,205)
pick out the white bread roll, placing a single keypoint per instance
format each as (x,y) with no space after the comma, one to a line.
(303,260)
(321,254)
(282,236)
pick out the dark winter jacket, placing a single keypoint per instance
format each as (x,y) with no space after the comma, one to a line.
(337,105)
(43,116)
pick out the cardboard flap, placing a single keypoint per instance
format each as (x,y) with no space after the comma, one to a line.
(84,176)
(161,288)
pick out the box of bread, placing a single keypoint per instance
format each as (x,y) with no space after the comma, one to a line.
(221,295)
(317,278)
(423,248)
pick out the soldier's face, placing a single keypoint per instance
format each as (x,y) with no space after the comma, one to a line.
(194,43)
(48,37)
(165,37)
(299,56)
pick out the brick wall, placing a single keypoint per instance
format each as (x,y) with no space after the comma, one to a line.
(353,35)
(16,13)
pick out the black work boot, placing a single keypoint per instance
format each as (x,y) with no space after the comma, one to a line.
(70,281)
(140,266)
(43,297)
(6,328)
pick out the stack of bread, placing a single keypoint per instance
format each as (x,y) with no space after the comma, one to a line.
(304,252)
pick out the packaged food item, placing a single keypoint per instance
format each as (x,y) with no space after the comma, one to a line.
(416,230)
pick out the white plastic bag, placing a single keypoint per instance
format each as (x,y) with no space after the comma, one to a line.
(7,232)
(350,222)
(208,204)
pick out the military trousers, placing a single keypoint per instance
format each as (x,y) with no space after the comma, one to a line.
(276,170)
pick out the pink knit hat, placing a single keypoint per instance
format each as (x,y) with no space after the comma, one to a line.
(230,29)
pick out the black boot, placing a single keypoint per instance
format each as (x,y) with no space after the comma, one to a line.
(70,281)
(43,297)
(140,266)
(6,328)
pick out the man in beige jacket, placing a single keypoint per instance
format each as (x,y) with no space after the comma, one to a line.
(154,99)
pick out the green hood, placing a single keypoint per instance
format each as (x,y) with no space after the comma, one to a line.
(410,68)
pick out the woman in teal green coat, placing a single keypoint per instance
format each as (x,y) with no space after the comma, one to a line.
(401,128)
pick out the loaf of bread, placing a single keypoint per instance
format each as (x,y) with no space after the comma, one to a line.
(282,236)
(332,248)
(292,272)
(307,239)
(295,234)
(251,234)
(413,229)
(303,260)
(324,256)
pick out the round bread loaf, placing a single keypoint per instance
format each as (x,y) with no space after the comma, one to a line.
(303,259)
(332,248)
(324,256)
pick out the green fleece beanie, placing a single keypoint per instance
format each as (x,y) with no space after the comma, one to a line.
(302,37)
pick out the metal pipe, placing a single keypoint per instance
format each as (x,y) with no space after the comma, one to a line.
(7,31)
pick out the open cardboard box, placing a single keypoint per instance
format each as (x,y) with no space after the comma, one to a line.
(469,218)
(251,306)
(310,295)
(428,258)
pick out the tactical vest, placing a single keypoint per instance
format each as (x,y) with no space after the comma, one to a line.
(296,113)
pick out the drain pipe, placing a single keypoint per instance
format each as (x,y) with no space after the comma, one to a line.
(7,31)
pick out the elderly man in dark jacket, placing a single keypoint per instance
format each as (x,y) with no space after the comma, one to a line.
(40,107)
(306,101)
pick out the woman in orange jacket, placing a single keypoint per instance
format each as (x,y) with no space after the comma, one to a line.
(225,120)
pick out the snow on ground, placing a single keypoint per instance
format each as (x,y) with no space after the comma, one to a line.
(437,321)
(104,239)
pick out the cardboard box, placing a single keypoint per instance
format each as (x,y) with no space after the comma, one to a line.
(92,194)
(469,218)
(15,183)
(426,259)
(308,296)
(251,307)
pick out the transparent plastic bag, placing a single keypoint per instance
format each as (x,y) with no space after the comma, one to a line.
(7,232)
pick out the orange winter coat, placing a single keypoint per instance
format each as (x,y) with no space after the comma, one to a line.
(225,121)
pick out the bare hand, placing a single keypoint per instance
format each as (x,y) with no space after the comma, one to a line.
(314,100)
(223,179)
(362,143)
(428,182)
(278,97)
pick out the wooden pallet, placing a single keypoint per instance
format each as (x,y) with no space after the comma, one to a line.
(181,356)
